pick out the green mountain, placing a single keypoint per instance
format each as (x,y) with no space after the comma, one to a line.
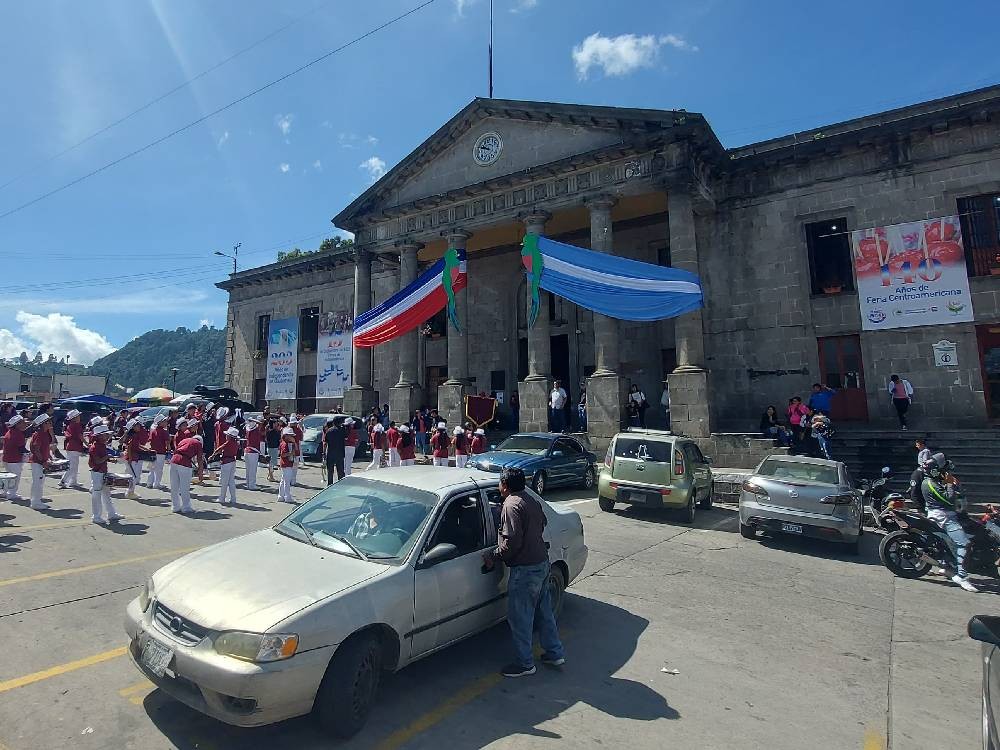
(146,361)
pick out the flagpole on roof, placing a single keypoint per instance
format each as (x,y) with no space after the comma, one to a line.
(491,49)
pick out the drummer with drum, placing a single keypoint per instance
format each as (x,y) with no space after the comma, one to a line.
(41,447)
(101,480)
(13,454)
(73,445)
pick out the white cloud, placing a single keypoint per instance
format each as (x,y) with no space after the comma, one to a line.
(206,322)
(57,334)
(353,140)
(460,5)
(523,5)
(12,346)
(222,140)
(318,165)
(621,55)
(371,140)
(284,123)
(284,167)
(374,166)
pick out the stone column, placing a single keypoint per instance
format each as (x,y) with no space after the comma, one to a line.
(689,394)
(605,388)
(534,389)
(406,395)
(361,397)
(452,392)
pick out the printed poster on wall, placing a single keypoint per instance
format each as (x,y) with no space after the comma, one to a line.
(282,358)
(912,274)
(333,355)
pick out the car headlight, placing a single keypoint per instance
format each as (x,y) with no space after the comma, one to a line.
(146,594)
(256,647)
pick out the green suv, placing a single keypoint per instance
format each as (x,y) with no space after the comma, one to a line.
(655,469)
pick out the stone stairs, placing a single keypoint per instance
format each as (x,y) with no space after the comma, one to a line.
(976,454)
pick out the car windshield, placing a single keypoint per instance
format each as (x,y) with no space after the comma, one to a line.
(525,444)
(642,449)
(315,421)
(380,520)
(797,470)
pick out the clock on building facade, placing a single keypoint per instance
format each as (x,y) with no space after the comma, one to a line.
(487,149)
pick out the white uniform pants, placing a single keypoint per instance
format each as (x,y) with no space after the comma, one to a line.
(394,457)
(156,471)
(250,459)
(15,468)
(227,483)
(461,459)
(440,461)
(70,477)
(285,485)
(100,499)
(349,451)
(180,488)
(37,480)
(376,458)
(134,476)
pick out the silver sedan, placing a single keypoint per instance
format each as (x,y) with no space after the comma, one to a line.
(376,571)
(802,496)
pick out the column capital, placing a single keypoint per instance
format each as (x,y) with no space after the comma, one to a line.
(536,216)
(600,202)
(361,255)
(408,243)
(456,237)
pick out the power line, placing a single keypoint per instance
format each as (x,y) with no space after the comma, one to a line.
(163,96)
(215,112)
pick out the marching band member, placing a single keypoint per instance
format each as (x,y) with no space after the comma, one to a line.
(392,442)
(251,454)
(296,424)
(73,445)
(286,461)
(220,425)
(159,440)
(13,452)
(227,449)
(405,447)
(479,442)
(439,444)
(182,462)
(461,444)
(132,442)
(100,492)
(377,440)
(350,444)
(41,447)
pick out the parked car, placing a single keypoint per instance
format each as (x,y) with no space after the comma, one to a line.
(548,459)
(335,610)
(655,469)
(312,436)
(986,630)
(88,410)
(803,496)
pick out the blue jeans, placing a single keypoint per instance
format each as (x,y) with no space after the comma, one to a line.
(557,418)
(824,445)
(528,604)
(422,442)
(951,526)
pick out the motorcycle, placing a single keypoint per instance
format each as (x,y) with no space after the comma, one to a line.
(920,544)
(877,500)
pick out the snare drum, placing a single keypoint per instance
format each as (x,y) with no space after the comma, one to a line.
(112,479)
(146,456)
(56,466)
(7,481)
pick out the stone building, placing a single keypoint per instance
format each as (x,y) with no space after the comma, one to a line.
(766,226)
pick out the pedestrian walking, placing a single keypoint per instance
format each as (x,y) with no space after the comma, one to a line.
(100,493)
(460,444)
(392,443)
(581,410)
(273,440)
(901,393)
(251,454)
(821,398)
(637,397)
(187,454)
(439,445)
(515,410)
(13,452)
(334,450)
(73,446)
(797,412)
(159,440)
(40,448)
(420,426)
(227,451)
(286,461)
(665,403)
(522,548)
(822,431)
(377,441)
(350,444)
(296,424)
(406,446)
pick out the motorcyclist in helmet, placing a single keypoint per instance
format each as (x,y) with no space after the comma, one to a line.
(942,498)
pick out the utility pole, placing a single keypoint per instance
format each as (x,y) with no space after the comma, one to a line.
(491,49)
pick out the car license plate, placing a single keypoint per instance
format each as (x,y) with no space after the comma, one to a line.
(156,657)
(635,497)
(791,528)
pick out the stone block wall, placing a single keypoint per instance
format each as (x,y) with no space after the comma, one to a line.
(737,450)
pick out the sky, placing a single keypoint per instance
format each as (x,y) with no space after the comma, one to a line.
(131,248)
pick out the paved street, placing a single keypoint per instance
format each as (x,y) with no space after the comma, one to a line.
(784,645)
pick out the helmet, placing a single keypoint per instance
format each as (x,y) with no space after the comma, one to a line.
(937,465)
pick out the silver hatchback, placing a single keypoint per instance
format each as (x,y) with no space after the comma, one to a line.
(802,496)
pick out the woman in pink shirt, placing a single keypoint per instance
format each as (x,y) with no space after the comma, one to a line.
(797,412)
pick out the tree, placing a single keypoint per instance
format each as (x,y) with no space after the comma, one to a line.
(330,244)
(38,358)
(51,359)
(23,359)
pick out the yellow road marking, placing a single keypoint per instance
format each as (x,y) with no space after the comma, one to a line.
(61,669)
(467,694)
(137,687)
(874,740)
(138,700)
(95,566)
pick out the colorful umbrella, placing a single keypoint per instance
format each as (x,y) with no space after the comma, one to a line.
(152,397)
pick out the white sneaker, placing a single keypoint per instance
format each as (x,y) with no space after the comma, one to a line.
(964,583)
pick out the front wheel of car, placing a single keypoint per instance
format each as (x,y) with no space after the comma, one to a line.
(606,505)
(589,478)
(538,483)
(557,589)
(347,693)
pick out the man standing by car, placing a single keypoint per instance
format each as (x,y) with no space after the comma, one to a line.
(557,403)
(521,546)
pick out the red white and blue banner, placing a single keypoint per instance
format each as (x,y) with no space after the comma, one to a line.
(432,291)
(607,284)
(282,359)
(333,355)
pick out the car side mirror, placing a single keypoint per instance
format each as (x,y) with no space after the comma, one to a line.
(985,628)
(708,459)
(439,553)
(493,447)
(557,454)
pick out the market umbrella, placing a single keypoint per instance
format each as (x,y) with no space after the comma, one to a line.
(152,397)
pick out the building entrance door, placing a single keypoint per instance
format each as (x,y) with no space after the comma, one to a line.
(841,368)
(989,360)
